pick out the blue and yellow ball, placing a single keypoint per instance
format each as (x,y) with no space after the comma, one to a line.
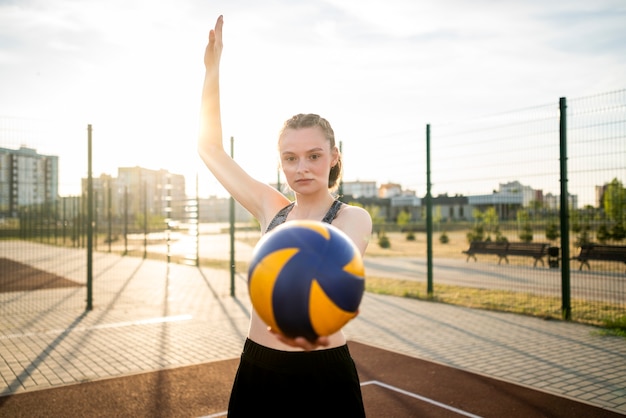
(306,279)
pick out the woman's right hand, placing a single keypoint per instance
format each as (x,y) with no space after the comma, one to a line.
(301,342)
(213,51)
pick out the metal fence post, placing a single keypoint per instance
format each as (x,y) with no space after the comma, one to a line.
(566,307)
(145,219)
(429,219)
(109,215)
(232,229)
(89,224)
(125,220)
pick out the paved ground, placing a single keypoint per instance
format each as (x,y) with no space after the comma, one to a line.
(149,315)
(388,384)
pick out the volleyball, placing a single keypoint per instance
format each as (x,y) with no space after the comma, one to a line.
(306,279)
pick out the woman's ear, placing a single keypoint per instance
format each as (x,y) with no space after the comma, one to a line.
(335,157)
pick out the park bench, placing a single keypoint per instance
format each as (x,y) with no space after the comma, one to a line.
(503,250)
(485,247)
(600,252)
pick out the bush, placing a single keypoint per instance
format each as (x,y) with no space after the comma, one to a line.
(384,242)
(476,234)
(603,234)
(443,238)
(583,238)
(499,236)
(618,232)
(410,236)
(526,234)
(552,231)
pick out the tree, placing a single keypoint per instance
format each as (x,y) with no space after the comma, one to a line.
(499,236)
(491,221)
(552,230)
(526,234)
(583,237)
(486,222)
(603,234)
(615,201)
(437,216)
(618,232)
(478,231)
(525,231)
(574,224)
(404,218)
(615,208)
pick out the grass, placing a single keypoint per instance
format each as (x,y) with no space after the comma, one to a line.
(502,301)
(608,316)
(615,327)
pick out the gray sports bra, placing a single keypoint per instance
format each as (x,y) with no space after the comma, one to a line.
(281,216)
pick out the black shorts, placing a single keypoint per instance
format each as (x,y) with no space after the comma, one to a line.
(321,383)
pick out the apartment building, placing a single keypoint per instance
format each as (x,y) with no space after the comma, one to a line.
(27,179)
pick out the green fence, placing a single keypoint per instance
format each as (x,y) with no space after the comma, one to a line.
(551,174)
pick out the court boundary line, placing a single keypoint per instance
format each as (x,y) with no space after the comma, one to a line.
(395,389)
(149,321)
(421,398)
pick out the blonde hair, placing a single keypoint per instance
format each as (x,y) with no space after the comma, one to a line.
(310,120)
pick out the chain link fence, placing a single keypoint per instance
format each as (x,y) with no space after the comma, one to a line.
(497,179)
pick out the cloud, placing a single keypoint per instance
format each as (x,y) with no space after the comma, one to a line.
(373,68)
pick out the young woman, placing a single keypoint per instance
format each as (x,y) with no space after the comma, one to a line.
(278,375)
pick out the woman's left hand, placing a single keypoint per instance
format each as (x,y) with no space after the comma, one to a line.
(301,342)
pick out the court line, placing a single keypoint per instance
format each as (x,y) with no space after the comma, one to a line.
(158,320)
(421,398)
(386,386)
(219,414)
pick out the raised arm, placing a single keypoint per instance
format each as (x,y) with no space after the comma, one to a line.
(261,200)
(211,118)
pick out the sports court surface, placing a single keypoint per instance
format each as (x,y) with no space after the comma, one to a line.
(393,385)
(166,342)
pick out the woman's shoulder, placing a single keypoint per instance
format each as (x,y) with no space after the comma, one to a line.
(353,210)
(356,222)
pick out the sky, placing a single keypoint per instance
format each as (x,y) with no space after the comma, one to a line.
(379,71)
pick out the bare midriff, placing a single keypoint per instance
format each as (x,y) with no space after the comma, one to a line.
(259,334)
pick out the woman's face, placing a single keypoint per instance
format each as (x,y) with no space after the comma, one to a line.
(306,159)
